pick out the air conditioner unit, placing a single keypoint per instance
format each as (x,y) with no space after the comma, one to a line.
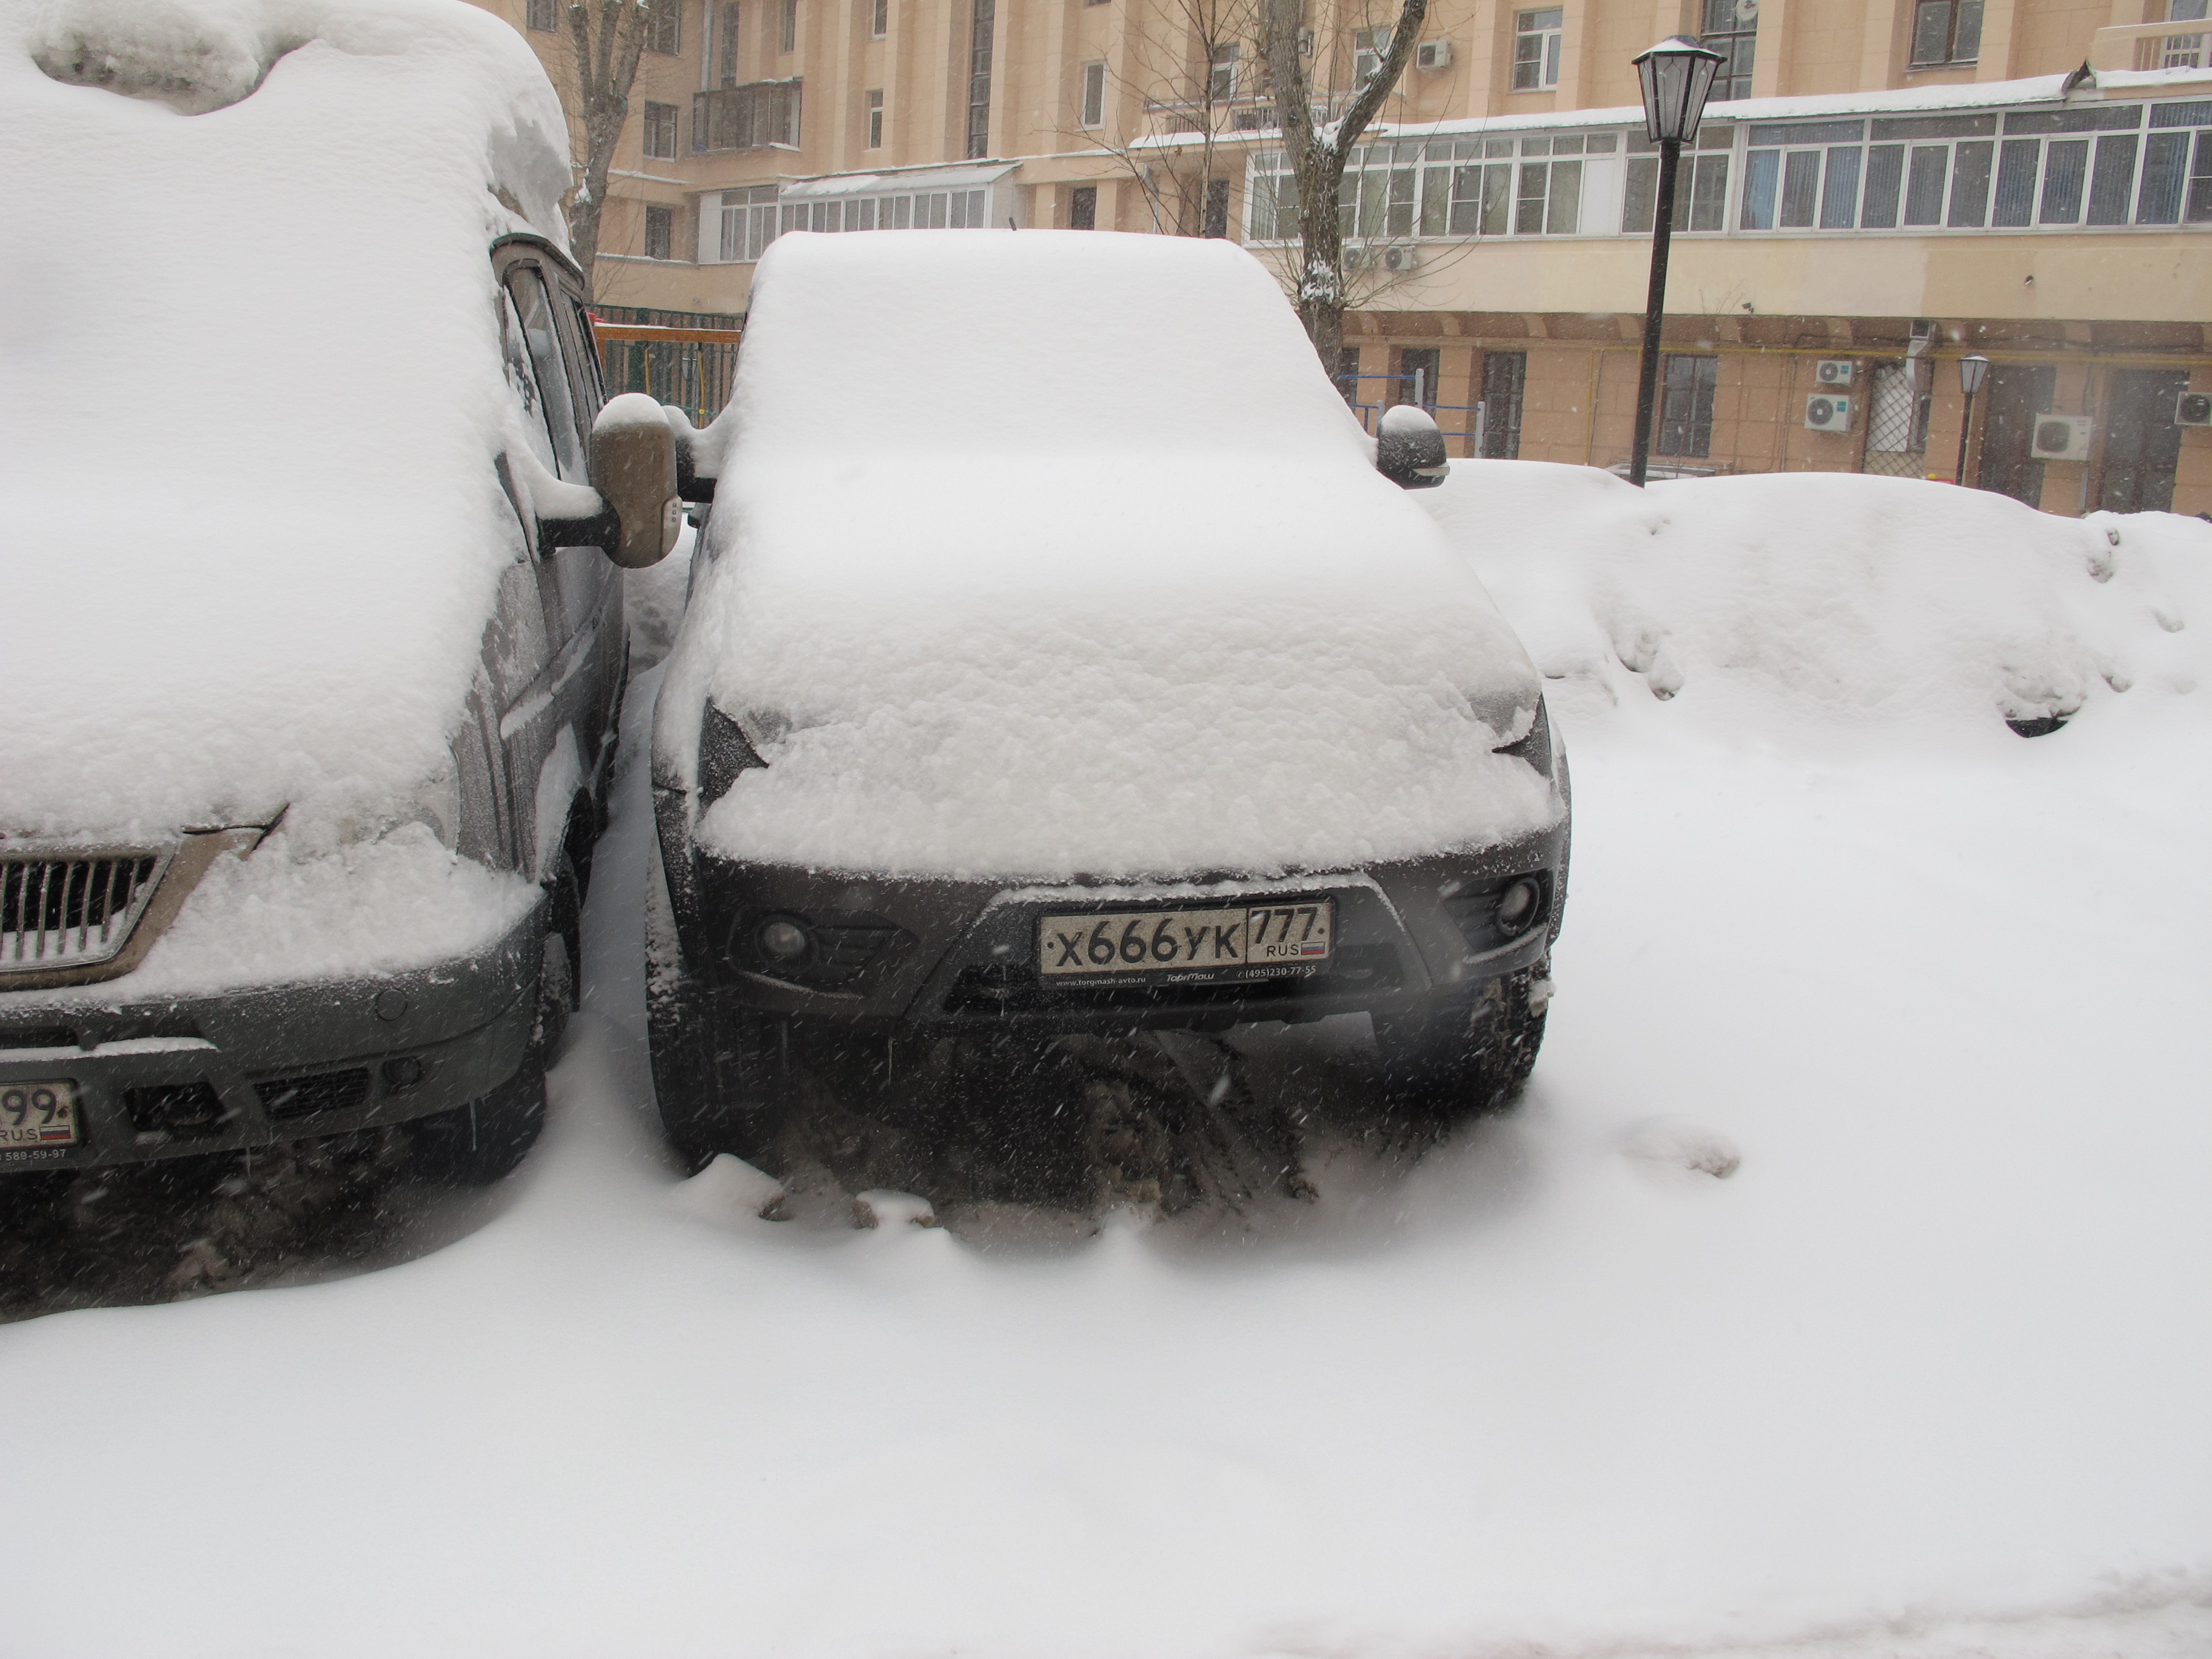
(2193,409)
(1825,413)
(1834,371)
(1432,55)
(1400,258)
(1923,336)
(2060,438)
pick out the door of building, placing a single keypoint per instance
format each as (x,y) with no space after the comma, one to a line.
(2142,446)
(2017,393)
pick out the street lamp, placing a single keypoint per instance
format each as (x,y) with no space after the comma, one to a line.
(1676,74)
(1972,370)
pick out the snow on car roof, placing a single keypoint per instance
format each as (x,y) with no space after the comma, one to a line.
(1056,553)
(250,390)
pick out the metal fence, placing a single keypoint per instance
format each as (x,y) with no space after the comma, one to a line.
(1460,423)
(685,365)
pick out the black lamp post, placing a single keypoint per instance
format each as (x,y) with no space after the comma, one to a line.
(1971,372)
(1676,74)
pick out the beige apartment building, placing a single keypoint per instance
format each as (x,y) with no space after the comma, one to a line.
(1881,187)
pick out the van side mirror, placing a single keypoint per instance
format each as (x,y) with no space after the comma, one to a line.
(1409,450)
(633,466)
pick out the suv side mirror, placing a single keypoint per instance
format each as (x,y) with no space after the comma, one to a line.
(633,466)
(1409,450)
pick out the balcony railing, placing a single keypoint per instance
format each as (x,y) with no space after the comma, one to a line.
(751,117)
(2150,46)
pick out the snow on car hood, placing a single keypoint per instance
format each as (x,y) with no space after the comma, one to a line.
(250,397)
(998,595)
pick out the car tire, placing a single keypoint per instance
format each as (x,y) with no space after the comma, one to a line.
(486,1139)
(558,976)
(1456,1060)
(713,1070)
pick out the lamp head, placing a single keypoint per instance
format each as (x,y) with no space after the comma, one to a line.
(1676,74)
(1971,372)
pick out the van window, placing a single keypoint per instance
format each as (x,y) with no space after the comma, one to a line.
(542,336)
(522,381)
(595,391)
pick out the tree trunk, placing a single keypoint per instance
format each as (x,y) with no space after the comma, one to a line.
(1318,155)
(608,36)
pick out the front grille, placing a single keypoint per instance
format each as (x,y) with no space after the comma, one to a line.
(1017,988)
(326,1092)
(188,1109)
(63,912)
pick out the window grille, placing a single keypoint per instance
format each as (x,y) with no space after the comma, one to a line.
(1685,406)
(660,233)
(543,14)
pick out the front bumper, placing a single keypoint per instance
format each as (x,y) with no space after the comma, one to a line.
(962,953)
(237,1069)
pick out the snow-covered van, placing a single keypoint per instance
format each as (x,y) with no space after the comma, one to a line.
(309,520)
(1065,656)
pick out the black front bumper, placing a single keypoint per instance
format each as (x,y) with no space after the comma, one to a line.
(238,1069)
(906,951)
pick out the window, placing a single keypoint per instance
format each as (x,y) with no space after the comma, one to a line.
(920,209)
(659,231)
(1731,28)
(2182,50)
(787,37)
(660,130)
(1368,48)
(2175,188)
(750,116)
(1505,375)
(1221,75)
(879,18)
(1700,185)
(1217,209)
(522,382)
(541,337)
(748,222)
(725,47)
(1685,404)
(1083,208)
(979,79)
(664,27)
(1418,370)
(1536,48)
(545,14)
(1946,32)
(876,120)
(1094,95)
(1448,187)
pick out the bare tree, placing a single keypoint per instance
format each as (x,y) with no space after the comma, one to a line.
(1318,151)
(608,36)
(1183,63)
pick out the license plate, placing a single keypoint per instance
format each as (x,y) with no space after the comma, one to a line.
(1287,937)
(37,1114)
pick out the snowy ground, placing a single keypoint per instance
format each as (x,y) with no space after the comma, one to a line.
(1924,1375)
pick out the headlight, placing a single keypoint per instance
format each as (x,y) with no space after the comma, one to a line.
(1536,747)
(724,752)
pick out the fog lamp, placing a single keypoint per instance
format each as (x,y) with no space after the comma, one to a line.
(782,939)
(1518,905)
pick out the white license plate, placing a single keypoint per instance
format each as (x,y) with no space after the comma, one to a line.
(1293,934)
(38,1115)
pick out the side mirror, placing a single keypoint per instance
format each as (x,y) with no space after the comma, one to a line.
(633,466)
(1409,450)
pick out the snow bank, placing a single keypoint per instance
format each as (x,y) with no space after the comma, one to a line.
(1829,599)
(250,394)
(1055,554)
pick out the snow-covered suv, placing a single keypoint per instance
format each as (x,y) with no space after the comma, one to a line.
(314,653)
(1067,656)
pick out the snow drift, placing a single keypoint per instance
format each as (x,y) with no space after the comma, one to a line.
(1831,600)
(250,393)
(1055,554)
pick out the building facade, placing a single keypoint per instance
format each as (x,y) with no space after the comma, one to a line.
(1881,187)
